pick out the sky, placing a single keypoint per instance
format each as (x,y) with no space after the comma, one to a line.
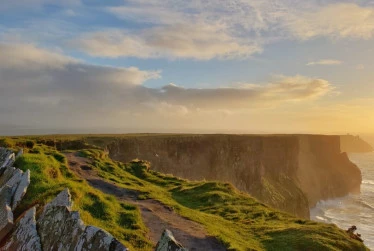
(212,66)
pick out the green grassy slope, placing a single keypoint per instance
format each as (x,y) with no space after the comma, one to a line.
(235,218)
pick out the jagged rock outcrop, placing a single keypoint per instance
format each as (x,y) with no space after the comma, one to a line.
(167,242)
(354,144)
(13,186)
(6,214)
(288,172)
(7,157)
(58,227)
(25,237)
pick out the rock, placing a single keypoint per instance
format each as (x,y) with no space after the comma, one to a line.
(25,237)
(15,179)
(6,215)
(7,159)
(13,183)
(62,229)
(98,239)
(353,235)
(21,189)
(63,199)
(58,226)
(6,175)
(20,152)
(168,243)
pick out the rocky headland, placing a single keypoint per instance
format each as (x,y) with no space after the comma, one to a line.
(354,144)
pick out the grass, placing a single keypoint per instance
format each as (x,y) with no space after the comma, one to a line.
(239,221)
(50,175)
(235,218)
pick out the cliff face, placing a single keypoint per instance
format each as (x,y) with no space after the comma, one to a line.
(324,171)
(354,144)
(288,172)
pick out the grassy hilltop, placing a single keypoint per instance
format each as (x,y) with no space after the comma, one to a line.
(236,219)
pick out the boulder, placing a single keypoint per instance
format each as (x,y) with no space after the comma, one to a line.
(25,237)
(168,243)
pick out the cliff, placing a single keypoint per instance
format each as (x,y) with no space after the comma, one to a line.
(136,205)
(288,172)
(354,144)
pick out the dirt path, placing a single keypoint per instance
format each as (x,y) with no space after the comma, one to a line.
(156,216)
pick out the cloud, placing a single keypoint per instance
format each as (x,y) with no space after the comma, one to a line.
(223,29)
(285,18)
(34,4)
(60,91)
(325,62)
(247,95)
(341,20)
(195,29)
(28,57)
(39,83)
(199,41)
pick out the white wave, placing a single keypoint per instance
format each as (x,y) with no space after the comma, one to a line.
(320,218)
(337,202)
(370,182)
(365,204)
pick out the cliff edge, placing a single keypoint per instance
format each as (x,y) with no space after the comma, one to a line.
(288,172)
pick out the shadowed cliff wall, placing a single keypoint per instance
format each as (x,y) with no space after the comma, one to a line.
(288,172)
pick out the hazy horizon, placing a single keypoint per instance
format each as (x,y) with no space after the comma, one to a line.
(283,66)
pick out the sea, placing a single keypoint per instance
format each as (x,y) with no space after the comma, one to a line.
(353,209)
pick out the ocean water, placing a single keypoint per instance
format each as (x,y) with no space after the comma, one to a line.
(351,210)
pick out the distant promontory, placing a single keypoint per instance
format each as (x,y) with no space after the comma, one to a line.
(354,144)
